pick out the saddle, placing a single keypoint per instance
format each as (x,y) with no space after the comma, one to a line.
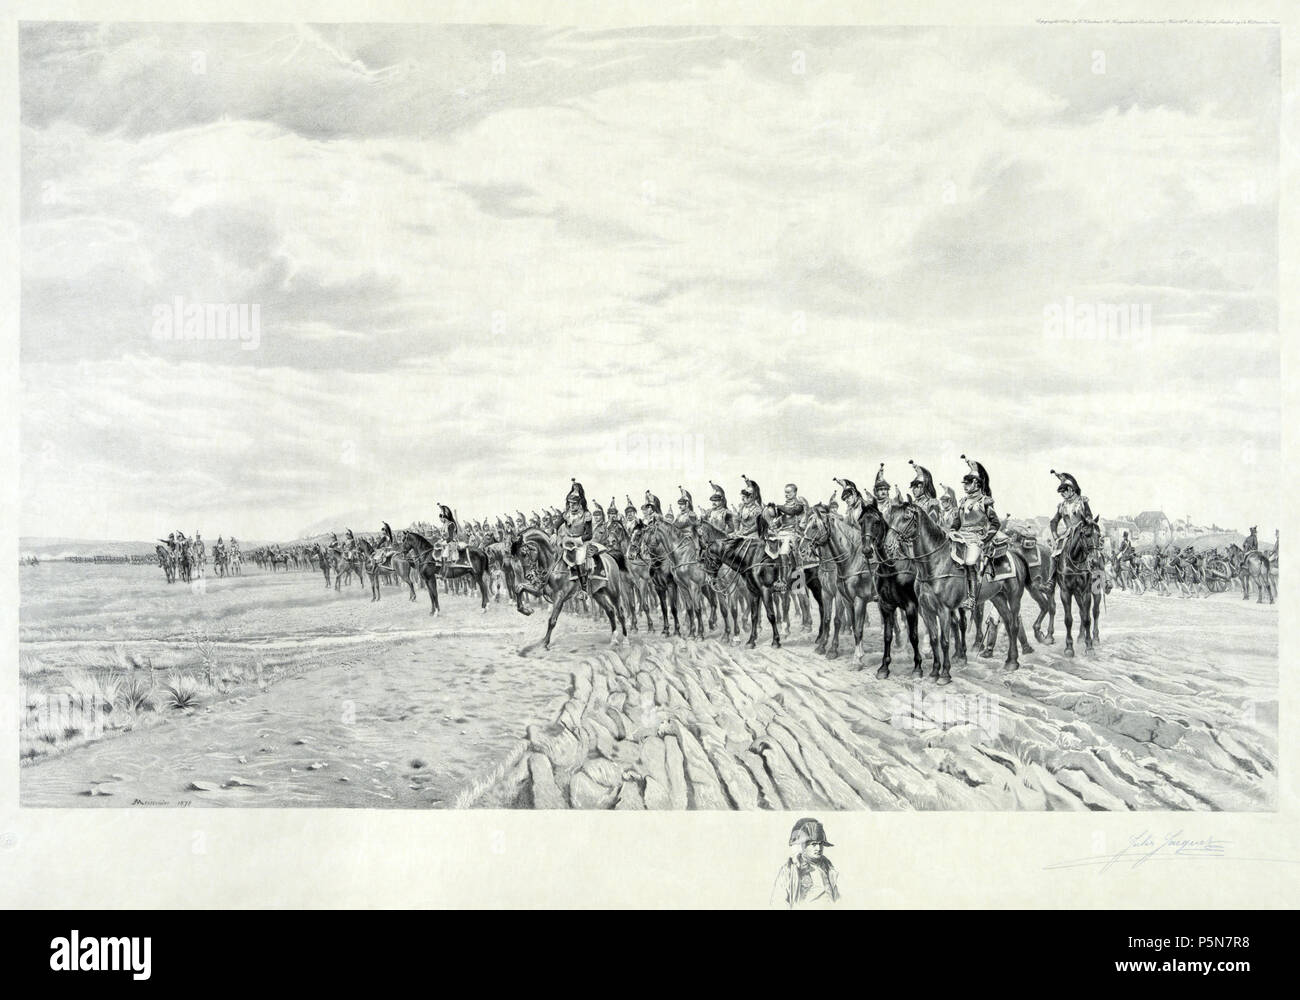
(578,554)
(995,562)
(452,554)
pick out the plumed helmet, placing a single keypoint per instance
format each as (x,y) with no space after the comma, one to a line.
(612,510)
(631,507)
(978,472)
(652,503)
(576,492)
(809,831)
(1065,479)
(849,491)
(751,490)
(684,501)
(881,482)
(718,495)
(949,495)
(921,482)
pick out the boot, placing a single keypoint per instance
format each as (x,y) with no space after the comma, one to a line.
(782,574)
(972,582)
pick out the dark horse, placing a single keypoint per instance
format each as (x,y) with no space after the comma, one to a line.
(840,543)
(1074,577)
(895,588)
(425,559)
(758,570)
(939,580)
(561,582)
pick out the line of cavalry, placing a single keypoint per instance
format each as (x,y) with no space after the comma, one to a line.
(932,557)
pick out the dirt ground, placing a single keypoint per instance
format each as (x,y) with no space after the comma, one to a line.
(314,697)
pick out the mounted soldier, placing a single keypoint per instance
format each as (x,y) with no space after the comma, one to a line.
(923,492)
(576,530)
(599,529)
(749,518)
(789,518)
(453,548)
(1071,512)
(686,516)
(887,504)
(973,527)
(651,510)
(948,503)
(719,515)
(1251,544)
(630,518)
(853,500)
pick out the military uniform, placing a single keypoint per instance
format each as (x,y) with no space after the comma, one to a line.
(788,521)
(748,517)
(1072,511)
(687,519)
(974,524)
(719,516)
(924,495)
(575,532)
(886,503)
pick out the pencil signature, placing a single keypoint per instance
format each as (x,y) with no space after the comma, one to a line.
(1147,846)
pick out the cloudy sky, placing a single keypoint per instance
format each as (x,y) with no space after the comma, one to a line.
(487,259)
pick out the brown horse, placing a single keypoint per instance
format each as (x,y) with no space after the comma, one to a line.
(1075,574)
(925,549)
(746,555)
(1256,569)
(677,550)
(425,558)
(562,583)
(854,579)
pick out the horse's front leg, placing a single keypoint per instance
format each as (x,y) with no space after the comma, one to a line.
(1066,598)
(770,606)
(887,641)
(562,595)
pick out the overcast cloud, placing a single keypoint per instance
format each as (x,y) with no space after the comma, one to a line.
(489,259)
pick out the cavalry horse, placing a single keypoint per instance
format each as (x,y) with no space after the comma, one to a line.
(940,585)
(1074,576)
(167,560)
(390,563)
(562,583)
(424,557)
(323,560)
(747,556)
(663,583)
(854,580)
(1257,568)
(678,550)
(895,588)
(344,567)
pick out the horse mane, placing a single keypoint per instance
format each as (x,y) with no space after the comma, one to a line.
(419,538)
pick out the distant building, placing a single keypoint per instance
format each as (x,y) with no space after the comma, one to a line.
(1154,527)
